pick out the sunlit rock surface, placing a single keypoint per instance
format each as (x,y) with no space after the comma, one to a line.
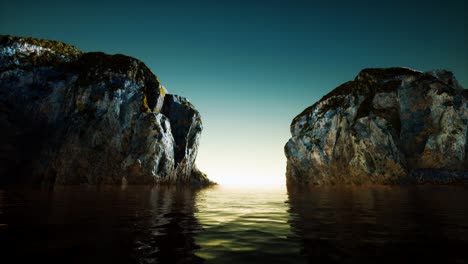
(69,117)
(388,125)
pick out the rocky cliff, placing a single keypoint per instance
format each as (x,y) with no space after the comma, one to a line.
(386,126)
(69,117)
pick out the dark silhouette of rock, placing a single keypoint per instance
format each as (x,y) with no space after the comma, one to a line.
(389,125)
(68,117)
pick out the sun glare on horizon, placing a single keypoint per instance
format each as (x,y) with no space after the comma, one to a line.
(246,176)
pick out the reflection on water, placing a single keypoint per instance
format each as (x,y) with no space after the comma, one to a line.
(98,225)
(246,225)
(167,232)
(234,225)
(382,224)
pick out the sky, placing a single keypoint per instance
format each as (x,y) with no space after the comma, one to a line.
(251,66)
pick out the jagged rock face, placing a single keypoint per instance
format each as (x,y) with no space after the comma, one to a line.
(68,117)
(386,126)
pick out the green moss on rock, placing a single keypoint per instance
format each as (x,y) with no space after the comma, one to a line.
(56,46)
(80,106)
(95,67)
(386,73)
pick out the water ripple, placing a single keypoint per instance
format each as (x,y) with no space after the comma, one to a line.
(235,225)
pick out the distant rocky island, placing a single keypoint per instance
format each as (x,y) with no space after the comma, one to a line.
(69,117)
(387,126)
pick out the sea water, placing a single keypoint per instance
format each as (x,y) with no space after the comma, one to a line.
(222,224)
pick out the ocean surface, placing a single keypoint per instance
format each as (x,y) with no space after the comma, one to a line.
(400,224)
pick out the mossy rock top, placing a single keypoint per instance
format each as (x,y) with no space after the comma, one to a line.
(56,46)
(91,67)
(367,83)
(95,67)
(386,73)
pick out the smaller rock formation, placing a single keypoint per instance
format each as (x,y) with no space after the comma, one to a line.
(387,126)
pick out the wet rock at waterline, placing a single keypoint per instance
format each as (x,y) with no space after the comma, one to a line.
(389,125)
(69,117)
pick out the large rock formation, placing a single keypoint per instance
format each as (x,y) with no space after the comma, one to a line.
(386,126)
(68,117)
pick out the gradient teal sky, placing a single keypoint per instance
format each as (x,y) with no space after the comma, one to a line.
(251,66)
